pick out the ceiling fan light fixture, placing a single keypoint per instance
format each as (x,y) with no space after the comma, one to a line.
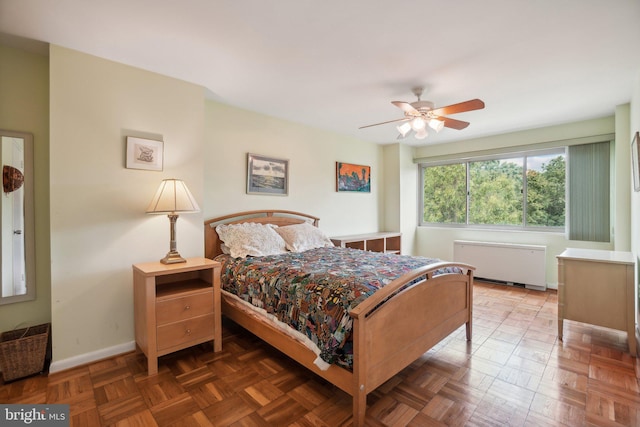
(420,114)
(404,129)
(418,124)
(436,124)
(421,134)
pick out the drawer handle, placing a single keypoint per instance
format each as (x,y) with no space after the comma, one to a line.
(188,331)
(187,307)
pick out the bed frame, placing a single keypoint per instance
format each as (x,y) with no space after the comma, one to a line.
(390,329)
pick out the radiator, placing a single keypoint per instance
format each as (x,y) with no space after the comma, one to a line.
(505,262)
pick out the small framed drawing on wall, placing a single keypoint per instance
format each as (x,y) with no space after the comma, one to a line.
(635,159)
(144,154)
(266,175)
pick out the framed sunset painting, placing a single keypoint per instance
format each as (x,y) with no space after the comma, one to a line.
(352,177)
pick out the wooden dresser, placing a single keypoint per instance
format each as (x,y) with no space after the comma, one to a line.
(176,306)
(597,287)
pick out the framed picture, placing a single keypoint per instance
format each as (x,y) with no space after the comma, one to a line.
(635,159)
(144,154)
(350,177)
(266,175)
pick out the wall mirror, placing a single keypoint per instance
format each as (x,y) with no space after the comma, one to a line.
(17,252)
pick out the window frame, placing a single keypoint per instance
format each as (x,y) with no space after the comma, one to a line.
(524,154)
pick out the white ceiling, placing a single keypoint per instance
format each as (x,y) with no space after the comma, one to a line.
(338,64)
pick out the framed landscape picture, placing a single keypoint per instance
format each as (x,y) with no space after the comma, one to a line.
(351,177)
(266,175)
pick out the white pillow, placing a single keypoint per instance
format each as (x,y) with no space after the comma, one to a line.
(250,238)
(302,237)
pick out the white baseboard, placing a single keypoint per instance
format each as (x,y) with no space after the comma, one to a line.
(83,359)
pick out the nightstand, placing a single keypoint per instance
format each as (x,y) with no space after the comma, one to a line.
(176,306)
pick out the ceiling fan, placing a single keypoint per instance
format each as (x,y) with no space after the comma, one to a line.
(420,114)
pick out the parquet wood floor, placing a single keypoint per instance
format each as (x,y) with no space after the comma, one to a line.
(515,372)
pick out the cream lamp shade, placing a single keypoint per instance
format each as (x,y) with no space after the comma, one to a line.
(173,197)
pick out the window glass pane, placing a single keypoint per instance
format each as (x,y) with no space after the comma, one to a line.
(496,192)
(546,190)
(445,189)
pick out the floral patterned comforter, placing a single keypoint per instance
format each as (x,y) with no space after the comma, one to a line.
(314,291)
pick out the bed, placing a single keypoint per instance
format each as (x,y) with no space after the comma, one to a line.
(388,330)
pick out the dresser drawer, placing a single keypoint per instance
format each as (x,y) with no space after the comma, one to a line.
(182,308)
(175,334)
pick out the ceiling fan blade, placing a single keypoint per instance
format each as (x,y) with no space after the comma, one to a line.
(473,104)
(404,119)
(406,107)
(453,123)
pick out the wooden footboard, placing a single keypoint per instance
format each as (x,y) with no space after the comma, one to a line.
(391,329)
(398,324)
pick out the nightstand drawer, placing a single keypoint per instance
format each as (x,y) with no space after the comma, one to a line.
(193,329)
(176,309)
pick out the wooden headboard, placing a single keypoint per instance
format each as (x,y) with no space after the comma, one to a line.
(277,217)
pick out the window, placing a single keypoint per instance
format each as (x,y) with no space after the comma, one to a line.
(546,190)
(524,191)
(446,203)
(495,192)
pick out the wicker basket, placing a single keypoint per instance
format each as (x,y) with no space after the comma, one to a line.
(23,351)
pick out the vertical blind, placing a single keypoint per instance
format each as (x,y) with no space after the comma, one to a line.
(589,192)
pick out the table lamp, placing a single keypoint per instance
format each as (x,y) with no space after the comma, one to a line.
(173,197)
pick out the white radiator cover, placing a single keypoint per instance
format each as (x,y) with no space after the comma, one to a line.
(507,262)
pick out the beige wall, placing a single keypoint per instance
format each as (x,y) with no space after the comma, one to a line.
(231,133)
(438,241)
(634,125)
(635,196)
(24,107)
(621,198)
(400,210)
(98,221)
